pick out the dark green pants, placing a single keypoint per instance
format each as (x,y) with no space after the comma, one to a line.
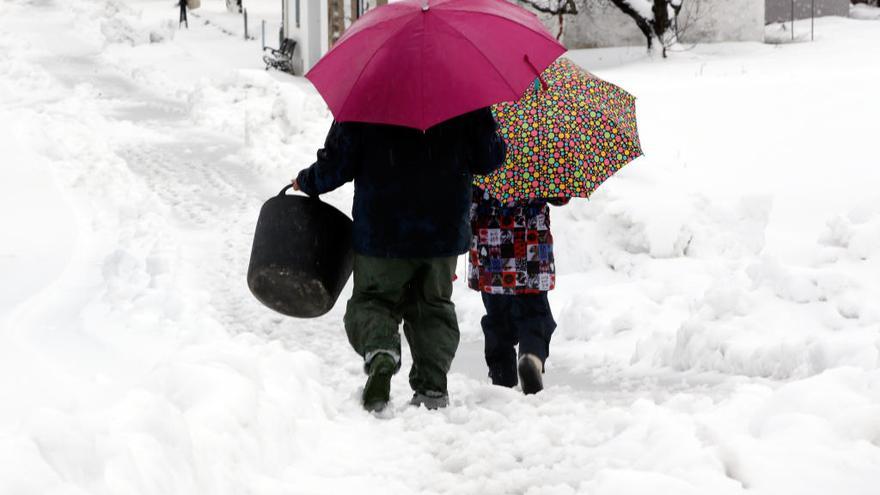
(416,291)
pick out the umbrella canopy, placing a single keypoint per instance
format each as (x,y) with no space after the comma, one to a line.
(566,140)
(416,63)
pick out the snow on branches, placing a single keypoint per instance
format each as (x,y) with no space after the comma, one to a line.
(559,8)
(654,18)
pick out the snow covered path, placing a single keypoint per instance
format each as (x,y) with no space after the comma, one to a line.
(711,339)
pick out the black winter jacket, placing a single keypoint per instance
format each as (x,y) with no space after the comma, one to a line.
(412,188)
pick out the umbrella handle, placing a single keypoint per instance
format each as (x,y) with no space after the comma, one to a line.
(537,72)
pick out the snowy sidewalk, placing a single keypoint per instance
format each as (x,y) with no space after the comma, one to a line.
(716,327)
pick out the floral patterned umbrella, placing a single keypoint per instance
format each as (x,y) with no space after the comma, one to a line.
(563,140)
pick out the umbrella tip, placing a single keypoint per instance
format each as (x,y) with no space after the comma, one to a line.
(425,5)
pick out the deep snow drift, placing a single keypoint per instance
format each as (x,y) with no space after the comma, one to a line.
(717,325)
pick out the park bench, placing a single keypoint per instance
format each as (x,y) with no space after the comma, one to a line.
(280,58)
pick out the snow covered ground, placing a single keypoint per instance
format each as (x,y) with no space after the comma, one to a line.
(718,325)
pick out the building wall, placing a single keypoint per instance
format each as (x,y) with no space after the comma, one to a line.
(309,33)
(601,24)
(312,32)
(780,10)
(712,21)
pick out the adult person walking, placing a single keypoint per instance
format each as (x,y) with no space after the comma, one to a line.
(411,207)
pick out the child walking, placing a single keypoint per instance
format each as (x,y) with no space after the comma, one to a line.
(511,264)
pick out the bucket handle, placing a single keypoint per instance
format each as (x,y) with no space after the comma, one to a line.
(289,186)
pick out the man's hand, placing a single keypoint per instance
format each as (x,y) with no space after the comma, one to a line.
(295,184)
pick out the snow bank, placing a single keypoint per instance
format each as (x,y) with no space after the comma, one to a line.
(116,375)
(864,12)
(725,248)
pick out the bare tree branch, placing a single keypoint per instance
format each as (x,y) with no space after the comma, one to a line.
(559,8)
(555,7)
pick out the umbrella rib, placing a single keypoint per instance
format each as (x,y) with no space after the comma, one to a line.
(497,71)
(374,26)
(367,64)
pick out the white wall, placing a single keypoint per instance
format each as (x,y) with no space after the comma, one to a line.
(310,35)
(710,21)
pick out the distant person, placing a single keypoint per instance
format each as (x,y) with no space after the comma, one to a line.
(411,204)
(511,263)
(182,5)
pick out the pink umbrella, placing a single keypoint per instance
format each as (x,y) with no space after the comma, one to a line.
(416,63)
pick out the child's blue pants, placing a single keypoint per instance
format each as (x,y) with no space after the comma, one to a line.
(516,319)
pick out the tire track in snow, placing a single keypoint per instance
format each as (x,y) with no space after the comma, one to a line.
(210,191)
(192,172)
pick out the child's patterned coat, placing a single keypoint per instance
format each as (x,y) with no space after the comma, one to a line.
(511,249)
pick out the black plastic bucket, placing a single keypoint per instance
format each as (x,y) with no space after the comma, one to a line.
(301,257)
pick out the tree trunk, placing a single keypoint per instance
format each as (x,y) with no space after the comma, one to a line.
(561,26)
(661,17)
(643,25)
(336,19)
